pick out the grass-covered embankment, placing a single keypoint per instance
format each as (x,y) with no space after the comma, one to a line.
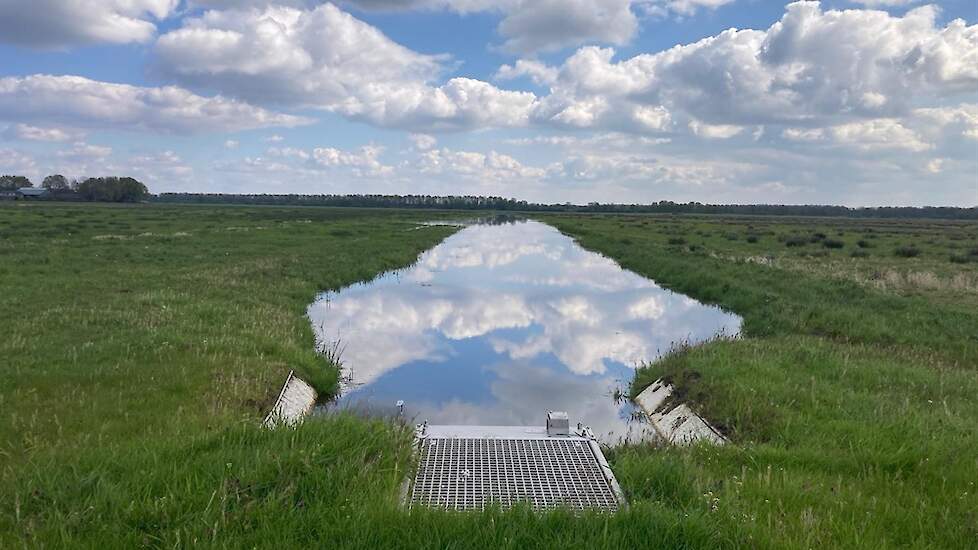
(141,345)
(144,343)
(850,401)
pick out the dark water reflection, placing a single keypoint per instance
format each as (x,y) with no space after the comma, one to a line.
(500,323)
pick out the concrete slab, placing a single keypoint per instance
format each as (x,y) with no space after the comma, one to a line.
(294,402)
(677,424)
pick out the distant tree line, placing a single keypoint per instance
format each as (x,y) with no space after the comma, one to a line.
(57,183)
(105,189)
(125,189)
(362,201)
(112,189)
(13,183)
(503,204)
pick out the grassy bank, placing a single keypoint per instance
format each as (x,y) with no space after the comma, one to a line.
(851,399)
(144,343)
(141,342)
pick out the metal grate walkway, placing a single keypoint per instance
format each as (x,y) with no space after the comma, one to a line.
(472,473)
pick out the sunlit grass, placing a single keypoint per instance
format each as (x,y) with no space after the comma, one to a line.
(122,353)
(136,368)
(850,398)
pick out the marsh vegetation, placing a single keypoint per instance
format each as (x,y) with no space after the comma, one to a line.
(143,343)
(850,399)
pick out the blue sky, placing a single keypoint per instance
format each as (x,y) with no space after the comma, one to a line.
(871,102)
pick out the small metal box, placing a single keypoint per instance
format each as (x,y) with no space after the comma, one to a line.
(558,424)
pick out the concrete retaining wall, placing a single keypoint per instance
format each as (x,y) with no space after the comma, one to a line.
(676,424)
(294,402)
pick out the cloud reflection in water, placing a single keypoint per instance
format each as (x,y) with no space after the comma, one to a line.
(498,324)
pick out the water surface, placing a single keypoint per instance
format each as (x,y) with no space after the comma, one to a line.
(500,323)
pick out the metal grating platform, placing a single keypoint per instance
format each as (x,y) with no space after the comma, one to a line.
(457,471)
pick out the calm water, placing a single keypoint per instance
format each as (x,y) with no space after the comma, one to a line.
(500,323)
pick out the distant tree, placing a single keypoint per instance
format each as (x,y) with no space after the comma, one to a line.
(12,183)
(56,183)
(112,189)
(504,204)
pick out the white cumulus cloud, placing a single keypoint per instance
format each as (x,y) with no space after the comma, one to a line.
(36,133)
(423,142)
(81,102)
(61,23)
(362,162)
(714,131)
(812,66)
(531,26)
(544,25)
(327,59)
(491,166)
(82,150)
(679,8)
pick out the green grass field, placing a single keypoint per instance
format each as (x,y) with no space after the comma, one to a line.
(143,344)
(851,400)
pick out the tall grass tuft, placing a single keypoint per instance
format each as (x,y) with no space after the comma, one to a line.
(796,240)
(907,252)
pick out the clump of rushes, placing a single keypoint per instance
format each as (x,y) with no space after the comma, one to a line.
(832,243)
(907,252)
(818,236)
(859,253)
(677,240)
(862,243)
(752,238)
(969,256)
(795,240)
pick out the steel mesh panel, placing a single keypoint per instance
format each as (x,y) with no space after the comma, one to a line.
(472,473)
